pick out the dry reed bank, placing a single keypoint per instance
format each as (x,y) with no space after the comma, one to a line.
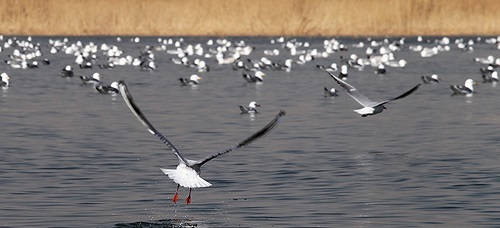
(250,18)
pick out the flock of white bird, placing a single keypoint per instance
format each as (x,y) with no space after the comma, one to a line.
(380,55)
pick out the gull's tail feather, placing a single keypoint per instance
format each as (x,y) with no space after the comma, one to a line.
(186,179)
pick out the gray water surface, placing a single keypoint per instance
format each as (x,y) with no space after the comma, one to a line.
(71,157)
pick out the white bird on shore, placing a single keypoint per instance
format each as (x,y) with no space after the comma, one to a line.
(369,107)
(187,173)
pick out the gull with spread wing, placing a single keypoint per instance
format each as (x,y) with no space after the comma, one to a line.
(187,173)
(369,107)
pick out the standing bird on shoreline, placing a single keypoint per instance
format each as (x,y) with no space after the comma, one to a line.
(187,173)
(369,107)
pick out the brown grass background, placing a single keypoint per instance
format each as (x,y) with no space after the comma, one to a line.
(250,17)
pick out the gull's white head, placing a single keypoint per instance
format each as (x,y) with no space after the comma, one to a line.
(494,75)
(115,85)
(259,74)
(195,78)
(253,104)
(96,76)
(68,68)
(469,83)
(5,76)
(435,77)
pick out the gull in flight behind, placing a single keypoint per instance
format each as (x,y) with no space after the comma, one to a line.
(369,107)
(187,173)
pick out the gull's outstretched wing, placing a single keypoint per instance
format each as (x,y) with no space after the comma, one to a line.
(127,97)
(353,92)
(259,134)
(401,96)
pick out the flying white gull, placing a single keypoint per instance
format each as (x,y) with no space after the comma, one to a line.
(187,173)
(369,107)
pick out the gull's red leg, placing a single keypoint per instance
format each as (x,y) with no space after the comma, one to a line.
(188,199)
(176,196)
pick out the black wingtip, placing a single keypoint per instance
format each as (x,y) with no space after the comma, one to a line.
(282,113)
(408,92)
(259,134)
(264,131)
(416,87)
(122,83)
(333,76)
